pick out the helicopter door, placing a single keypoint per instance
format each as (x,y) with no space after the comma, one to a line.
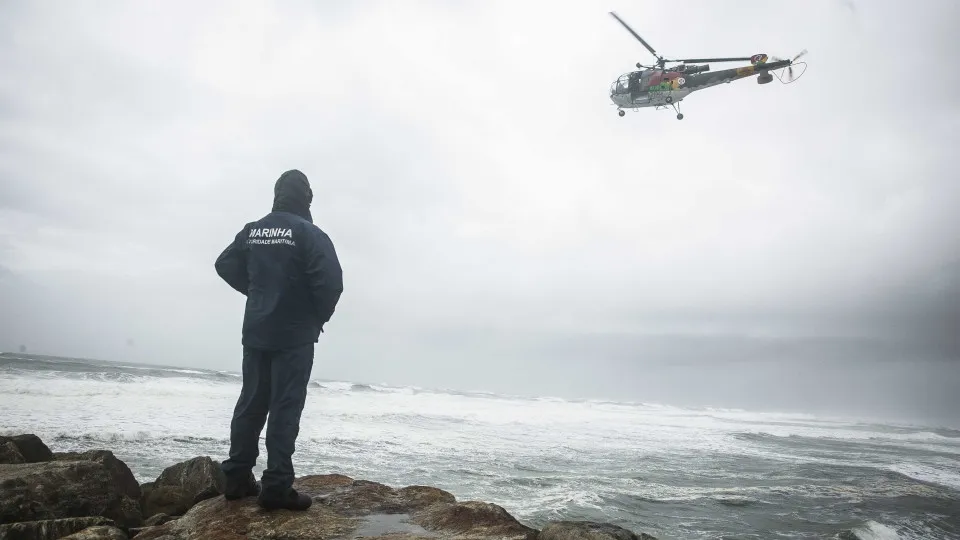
(643,81)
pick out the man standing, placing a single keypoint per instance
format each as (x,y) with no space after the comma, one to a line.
(288,270)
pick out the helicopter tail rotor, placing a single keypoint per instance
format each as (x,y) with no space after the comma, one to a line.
(793,61)
(789,72)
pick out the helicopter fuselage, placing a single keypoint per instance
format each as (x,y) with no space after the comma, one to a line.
(663,87)
(660,86)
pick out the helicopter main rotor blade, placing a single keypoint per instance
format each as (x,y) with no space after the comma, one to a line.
(636,35)
(699,60)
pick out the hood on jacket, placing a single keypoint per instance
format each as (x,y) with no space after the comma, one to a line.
(292,194)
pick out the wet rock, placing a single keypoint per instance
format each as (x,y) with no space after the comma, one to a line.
(145,490)
(347,508)
(321,484)
(361,497)
(75,485)
(30,447)
(164,499)
(183,485)
(588,530)
(423,496)
(220,519)
(158,519)
(9,453)
(134,531)
(119,472)
(49,529)
(473,518)
(98,533)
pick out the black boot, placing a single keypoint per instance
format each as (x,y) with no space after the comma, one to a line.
(238,488)
(289,500)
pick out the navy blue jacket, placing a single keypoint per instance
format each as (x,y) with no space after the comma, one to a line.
(287,268)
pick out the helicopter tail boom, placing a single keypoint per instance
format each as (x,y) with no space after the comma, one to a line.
(699,81)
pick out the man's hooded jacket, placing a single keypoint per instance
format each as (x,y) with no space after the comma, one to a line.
(287,268)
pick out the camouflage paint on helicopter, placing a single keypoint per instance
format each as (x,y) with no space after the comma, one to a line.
(703,80)
(671,80)
(659,86)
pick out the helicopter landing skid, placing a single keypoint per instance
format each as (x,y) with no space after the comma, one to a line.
(676,107)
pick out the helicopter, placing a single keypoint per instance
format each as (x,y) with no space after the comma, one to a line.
(661,87)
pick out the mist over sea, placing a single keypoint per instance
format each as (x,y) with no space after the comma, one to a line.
(671,472)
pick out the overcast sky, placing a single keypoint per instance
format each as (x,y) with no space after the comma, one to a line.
(499,226)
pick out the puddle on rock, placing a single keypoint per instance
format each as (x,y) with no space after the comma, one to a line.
(383,524)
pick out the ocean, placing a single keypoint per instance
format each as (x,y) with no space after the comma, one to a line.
(675,473)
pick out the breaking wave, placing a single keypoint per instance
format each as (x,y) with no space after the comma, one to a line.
(871,530)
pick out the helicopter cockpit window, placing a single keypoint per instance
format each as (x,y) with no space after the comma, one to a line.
(623,85)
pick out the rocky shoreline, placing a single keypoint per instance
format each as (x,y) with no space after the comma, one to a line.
(47,495)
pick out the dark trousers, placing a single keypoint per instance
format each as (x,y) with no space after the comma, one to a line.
(274,382)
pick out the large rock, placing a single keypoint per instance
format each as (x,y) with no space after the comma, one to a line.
(9,453)
(347,508)
(51,529)
(362,497)
(98,533)
(145,489)
(183,485)
(73,485)
(588,530)
(157,519)
(117,469)
(321,484)
(29,446)
(220,519)
(473,519)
